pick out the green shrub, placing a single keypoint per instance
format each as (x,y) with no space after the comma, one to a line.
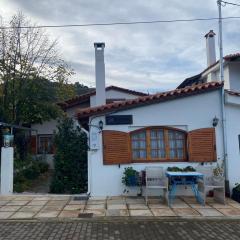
(26,171)
(43,167)
(177,169)
(70,160)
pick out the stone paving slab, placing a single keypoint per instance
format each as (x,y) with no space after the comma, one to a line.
(9,208)
(30,208)
(158,205)
(117,206)
(95,207)
(52,207)
(186,212)
(96,212)
(140,213)
(230,211)
(117,213)
(69,214)
(197,205)
(17,203)
(37,202)
(2,202)
(209,212)
(21,207)
(163,212)
(47,214)
(74,207)
(22,215)
(137,206)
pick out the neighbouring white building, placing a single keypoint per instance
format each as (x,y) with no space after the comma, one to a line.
(197,123)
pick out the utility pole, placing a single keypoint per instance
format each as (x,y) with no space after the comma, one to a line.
(224,127)
(219,2)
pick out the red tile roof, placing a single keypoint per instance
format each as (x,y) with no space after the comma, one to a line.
(84,97)
(231,92)
(229,57)
(197,78)
(150,99)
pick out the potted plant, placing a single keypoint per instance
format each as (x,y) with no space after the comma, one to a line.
(236,193)
(130,177)
(218,173)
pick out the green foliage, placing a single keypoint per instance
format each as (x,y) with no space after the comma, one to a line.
(177,169)
(130,177)
(174,169)
(43,167)
(27,170)
(237,187)
(189,169)
(70,160)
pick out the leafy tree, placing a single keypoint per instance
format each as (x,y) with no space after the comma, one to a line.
(27,56)
(70,160)
(80,88)
(36,101)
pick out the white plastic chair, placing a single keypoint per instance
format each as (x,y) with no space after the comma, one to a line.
(156,179)
(209,182)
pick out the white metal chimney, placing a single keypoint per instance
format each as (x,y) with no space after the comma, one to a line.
(210,44)
(100,74)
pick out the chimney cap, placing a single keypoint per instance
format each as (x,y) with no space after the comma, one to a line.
(99,45)
(211,33)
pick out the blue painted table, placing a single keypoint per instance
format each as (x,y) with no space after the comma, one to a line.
(183,178)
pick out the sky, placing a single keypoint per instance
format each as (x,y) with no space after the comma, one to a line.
(145,57)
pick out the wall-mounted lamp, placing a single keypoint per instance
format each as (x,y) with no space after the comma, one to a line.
(215,121)
(100,125)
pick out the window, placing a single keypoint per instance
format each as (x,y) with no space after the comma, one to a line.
(158,144)
(139,147)
(45,144)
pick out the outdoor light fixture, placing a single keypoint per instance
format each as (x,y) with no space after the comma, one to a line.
(100,125)
(7,138)
(215,121)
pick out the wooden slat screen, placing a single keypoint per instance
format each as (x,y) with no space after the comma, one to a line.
(202,145)
(116,147)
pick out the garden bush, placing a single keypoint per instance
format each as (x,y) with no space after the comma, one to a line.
(27,170)
(70,160)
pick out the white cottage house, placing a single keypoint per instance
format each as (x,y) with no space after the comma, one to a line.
(197,123)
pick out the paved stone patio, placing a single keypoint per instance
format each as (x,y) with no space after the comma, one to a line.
(50,206)
(121,229)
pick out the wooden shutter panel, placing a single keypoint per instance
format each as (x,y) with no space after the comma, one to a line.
(33,144)
(116,147)
(202,145)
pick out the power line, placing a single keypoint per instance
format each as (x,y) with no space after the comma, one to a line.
(230,3)
(122,23)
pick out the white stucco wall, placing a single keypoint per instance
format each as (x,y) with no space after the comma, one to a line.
(188,113)
(234,75)
(113,94)
(233,130)
(214,75)
(46,127)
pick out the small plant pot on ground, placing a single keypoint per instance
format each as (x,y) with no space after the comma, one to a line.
(130,177)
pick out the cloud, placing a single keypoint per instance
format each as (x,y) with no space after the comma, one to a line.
(157,56)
